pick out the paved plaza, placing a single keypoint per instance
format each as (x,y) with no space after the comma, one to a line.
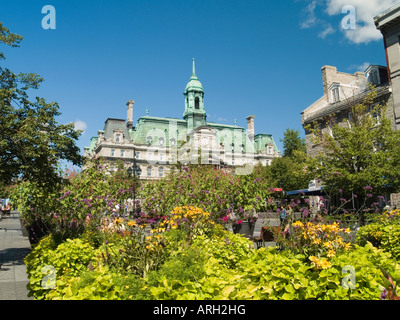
(13,249)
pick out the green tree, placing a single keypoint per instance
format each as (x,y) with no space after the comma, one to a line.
(360,152)
(291,142)
(291,173)
(31,140)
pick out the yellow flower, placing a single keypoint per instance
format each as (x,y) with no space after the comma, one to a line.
(331,253)
(316,241)
(298,224)
(347,246)
(131,223)
(325,264)
(328,245)
(320,263)
(119,220)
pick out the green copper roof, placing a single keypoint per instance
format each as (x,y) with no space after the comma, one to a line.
(261,141)
(156,128)
(194,84)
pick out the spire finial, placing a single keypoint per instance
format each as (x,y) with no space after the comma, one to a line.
(147,112)
(194,71)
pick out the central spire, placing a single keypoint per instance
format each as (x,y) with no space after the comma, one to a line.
(194,70)
(194,101)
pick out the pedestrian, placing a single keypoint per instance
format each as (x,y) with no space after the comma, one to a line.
(291,213)
(283,216)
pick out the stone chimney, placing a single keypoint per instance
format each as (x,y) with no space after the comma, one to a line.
(129,115)
(328,77)
(250,127)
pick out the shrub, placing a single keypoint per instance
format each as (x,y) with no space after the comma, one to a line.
(69,258)
(385,237)
(314,239)
(101,283)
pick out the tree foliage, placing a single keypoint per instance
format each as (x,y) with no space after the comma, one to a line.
(292,142)
(361,151)
(31,140)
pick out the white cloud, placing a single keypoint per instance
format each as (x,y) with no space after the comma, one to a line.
(359,67)
(365,11)
(310,16)
(80,125)
(365,30)
(214,117)
(327,31)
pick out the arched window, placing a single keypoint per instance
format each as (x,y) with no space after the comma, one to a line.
(197,103)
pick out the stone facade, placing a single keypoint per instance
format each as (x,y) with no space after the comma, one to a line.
(154,145)
(388,23)
(341,92)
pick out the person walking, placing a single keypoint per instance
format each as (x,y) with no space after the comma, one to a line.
(283,216)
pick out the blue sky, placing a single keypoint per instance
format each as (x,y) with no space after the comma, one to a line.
(252,56)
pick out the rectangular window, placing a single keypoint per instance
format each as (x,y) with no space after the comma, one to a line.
(122,153)
(137,154)
(118,137)
(335,94)
(161,171)
(112,152)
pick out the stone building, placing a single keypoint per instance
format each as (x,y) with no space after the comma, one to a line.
(388,22)
(155,144)
(340,92)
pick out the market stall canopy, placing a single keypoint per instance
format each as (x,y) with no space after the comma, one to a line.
(315,191)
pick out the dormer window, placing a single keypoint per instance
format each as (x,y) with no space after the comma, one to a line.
(161,141)
(118,136)
(172,142)
(149,139)
(373,77)
(334,90)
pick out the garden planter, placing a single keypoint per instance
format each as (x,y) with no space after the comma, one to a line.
(23,228)
(246,228)
(37,231)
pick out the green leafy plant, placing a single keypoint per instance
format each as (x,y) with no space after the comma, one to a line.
(69,258)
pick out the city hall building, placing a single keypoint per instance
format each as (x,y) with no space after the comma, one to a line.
(154,145)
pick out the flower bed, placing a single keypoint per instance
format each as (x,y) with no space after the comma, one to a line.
(187,256)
